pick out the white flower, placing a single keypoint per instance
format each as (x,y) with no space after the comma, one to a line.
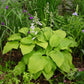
(36,33)
(40,24)
(32,24)
(32,27)
(33,38)
(32,31)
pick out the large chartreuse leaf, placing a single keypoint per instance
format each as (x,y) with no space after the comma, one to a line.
(26,57)
(14,37)
(48,49)
(67,43)
(57,57)
(48,75)
(60,33)
(27,40)
(36,63)
(50,66)
(36,75)
(10,45)
(42,44)
(25,49)
(54,41)
(40,36)
(47,32)
(67,64)
(24,30)
(20,68)
(56,38)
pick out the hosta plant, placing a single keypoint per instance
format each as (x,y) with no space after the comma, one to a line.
(44,50)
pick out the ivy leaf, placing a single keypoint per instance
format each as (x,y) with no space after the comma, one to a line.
(20,68)
(24,30)
(36,63)
(27,40)
(25,49)
(14,37)
(10,45)
(57,57)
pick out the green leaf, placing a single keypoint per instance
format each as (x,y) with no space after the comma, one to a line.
(36,75)
(54,41)
(14,37)
(60,33)
(25,49)
(42,44)
(27,40)
(64,44)
(48,75)
(73,42)
(49,69)
(36,63)
(57,57)
(40,36)
(66,66)
(50,66)
(26,57)
(47,32)
(20,68)
(10,45)
(1,72)
(24,30)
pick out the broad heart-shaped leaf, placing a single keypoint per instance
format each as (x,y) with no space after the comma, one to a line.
(27,40)
(47,32)
(20,68)
(60,33)
(36,63)
(50,66)
(10,45)
(41,37)
(67,64)
(24,30)
(48,75)
(42,44)
(54,40)
(36,75)
(66,43)
(48,49)
(14,37)
(57,57)
(25,49)
(26,57)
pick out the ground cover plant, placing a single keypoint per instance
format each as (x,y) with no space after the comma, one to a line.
(40,50)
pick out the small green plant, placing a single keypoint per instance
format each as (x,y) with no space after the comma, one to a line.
(44,50)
